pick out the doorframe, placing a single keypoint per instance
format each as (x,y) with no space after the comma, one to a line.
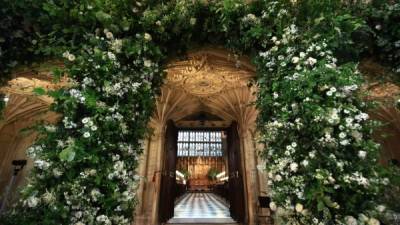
(242,165)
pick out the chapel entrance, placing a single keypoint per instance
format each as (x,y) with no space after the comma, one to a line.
(202,179)
(203,126)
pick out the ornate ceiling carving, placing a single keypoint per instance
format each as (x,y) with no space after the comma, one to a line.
(25,86)
(207,81)
(207,73)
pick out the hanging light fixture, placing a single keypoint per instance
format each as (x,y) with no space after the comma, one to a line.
(6,98)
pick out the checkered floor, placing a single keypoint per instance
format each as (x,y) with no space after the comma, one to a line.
(201,205)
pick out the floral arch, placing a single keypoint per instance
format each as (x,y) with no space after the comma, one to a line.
(321,159)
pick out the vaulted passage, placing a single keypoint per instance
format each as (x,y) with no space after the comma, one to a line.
(202,180)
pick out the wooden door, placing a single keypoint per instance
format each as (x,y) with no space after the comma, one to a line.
(236,191)
(168,182)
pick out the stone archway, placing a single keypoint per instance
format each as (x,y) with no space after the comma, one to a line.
(212,81)
(24,109)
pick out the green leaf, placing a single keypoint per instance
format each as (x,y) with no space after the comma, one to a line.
(39,91)
(55,94)
(320,206)
(57,73)
(103,17)
(67,154)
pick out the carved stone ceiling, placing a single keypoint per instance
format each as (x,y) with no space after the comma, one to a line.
(207,81)
(205,74)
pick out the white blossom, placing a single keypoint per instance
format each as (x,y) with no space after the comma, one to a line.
(147,37)
(32,201)
(86,135)
(311,61)
(373,221)
(147,63)
(272,206)
(299,207)
(362,154)
(294,167)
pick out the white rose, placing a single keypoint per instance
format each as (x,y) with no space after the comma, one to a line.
(147,63)
(373,221)
(362,154)
(147,37)
(294,167)
(381,208)
(111,56)
(350,220)
(71,57)
(278,178)
(311,61)
(302,54)
(305,163)
(295,60)
(272,206)
(109,35)
(86,135)
(344,142)
(342,135)
(32,201)
(299,207)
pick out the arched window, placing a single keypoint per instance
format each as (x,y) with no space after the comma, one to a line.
(199,143)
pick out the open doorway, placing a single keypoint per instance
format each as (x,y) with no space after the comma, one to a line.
(202,180)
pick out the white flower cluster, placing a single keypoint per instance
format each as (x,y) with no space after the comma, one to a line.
(69,56)
(88,126)
(120,88)
(251,19)
(361,220)
(337,121)
(77,94)
(34,151)
(68,123)
(42,164)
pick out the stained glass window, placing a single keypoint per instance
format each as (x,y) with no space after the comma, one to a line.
(199,143)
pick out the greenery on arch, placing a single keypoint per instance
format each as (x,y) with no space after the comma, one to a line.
(321,160)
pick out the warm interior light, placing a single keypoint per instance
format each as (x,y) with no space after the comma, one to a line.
(224,179)
(6,99)
(179,174)
(221,174)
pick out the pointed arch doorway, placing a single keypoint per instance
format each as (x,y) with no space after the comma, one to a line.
(214,82)
(217,202)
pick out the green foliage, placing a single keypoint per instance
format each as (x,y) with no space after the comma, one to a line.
(384,20)
(311,115)
(212,173)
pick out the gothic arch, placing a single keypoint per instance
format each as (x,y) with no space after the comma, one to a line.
(210,80)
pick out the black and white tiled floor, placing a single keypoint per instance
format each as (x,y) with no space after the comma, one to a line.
(201,207)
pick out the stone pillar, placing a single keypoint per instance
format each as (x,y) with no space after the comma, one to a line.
(250,175)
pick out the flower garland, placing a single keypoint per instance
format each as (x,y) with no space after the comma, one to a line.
(321,161)
(316,130)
